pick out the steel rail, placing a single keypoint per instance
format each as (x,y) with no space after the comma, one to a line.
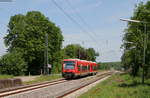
(78,88)
(30,87)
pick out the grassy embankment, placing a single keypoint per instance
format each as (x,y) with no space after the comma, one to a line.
(43,78)
(6,76)
(120,86)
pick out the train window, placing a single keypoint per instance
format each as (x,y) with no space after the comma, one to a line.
(94,67)
(84,68)
(69,64)
(78,67)
(88,67)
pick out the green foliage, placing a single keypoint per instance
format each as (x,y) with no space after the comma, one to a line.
(133,41)
(91,54)
(13,64)
(76,51)
(27,33)
(119,86)
(110,65)
(57,61)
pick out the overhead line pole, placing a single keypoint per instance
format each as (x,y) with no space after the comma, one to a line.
(46,55)
(144,52)
(145,43)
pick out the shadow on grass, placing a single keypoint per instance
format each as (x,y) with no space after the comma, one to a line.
(133,84)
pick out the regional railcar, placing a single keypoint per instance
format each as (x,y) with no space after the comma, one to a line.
(72,68)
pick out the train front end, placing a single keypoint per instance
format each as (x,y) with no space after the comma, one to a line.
(68,68)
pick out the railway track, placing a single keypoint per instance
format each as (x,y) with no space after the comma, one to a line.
(63,93)
(99,77)
(29,87)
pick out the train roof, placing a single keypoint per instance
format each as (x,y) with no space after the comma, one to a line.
(71,59)
(77,60)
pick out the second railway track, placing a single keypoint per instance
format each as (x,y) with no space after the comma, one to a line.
(62,89)
(29,87)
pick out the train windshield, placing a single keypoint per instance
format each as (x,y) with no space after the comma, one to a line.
(69,64)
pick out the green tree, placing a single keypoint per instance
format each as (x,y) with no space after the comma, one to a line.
(91,54)
(27,33)
(76,51)
(70,51)
(13,63)
(133,41)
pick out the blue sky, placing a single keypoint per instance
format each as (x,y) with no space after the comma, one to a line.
(103,30)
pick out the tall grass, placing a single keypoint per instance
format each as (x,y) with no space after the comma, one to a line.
(120,86)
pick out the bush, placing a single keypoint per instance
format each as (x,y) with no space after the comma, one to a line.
(13,64)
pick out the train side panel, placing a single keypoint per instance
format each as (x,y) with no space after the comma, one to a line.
(74,67)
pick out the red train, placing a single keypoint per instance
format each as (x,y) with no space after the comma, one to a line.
(72,68)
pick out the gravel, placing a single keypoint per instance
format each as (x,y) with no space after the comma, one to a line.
(53,90)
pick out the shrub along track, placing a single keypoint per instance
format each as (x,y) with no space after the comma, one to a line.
(25,88)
